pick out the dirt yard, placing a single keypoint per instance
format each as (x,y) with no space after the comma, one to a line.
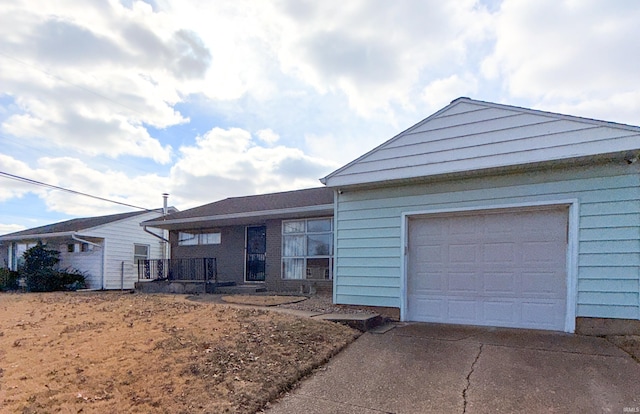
(120,352)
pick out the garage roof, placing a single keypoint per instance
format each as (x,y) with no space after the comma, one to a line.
(470,135)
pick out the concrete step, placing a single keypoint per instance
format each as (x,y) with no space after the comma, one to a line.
(360,321)
(240,289)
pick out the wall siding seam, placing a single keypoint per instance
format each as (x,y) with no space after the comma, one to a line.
(607,182)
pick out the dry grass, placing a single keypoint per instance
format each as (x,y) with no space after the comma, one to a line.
(111,352)
(262,300)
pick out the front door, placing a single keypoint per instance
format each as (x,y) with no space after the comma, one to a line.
(256,254)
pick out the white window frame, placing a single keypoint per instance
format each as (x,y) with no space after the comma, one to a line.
(198,239)
(306,257)
(138,257)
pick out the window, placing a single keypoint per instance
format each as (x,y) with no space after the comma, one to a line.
(140,252)
(193,239)
(86,247)
(71,247)
(17,252)
(307,249)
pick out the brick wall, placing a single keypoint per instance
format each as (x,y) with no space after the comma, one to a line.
(229,253)
(274,281)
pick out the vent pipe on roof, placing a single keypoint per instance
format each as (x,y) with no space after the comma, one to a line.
(165,197)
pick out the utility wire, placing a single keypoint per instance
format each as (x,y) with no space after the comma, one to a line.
(55,187)
(70,83)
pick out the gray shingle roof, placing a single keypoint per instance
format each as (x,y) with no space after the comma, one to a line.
(77,224)
(257,203)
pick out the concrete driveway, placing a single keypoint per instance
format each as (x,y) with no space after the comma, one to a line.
(431,368)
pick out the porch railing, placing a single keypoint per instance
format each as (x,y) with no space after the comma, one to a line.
(200,269)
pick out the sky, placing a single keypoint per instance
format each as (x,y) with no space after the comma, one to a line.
(205,100)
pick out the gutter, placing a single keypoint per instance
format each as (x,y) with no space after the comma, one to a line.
(76,238)
(37,236)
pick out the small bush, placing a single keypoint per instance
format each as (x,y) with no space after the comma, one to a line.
(8,280)
(71,279)
(41,275)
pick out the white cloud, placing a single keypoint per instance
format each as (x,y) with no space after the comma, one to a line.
(268,136)
(440,92)
(231,162)
(90,78)
(566,53)
(10,228)
(11,188)
(371,52)
(377,52)
(74,174)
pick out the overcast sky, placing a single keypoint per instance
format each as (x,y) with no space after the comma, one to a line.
(212,99)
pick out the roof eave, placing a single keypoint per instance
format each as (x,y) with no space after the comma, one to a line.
(243,215)
(618,157)
(38,236)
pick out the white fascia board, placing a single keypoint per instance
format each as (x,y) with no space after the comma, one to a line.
(37,236)
(46,236)
(248,214)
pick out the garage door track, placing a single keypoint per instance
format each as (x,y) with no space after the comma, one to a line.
(431,368)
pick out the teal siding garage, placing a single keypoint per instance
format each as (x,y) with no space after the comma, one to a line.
(475,162)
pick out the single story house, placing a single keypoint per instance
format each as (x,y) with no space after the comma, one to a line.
(282,241)
(489,214)
(105,249)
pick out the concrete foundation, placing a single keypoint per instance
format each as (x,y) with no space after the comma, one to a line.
(607,326)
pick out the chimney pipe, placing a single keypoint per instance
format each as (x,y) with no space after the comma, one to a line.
(165,197)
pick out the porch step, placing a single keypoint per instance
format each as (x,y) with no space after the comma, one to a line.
(240,289)
(362,322)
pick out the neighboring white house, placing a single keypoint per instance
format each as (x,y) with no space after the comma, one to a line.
(106,249)
(489,214)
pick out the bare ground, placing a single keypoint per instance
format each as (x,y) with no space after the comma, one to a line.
(628,343)
(262,300)
(112,352)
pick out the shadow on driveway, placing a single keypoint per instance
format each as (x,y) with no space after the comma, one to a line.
(432,368)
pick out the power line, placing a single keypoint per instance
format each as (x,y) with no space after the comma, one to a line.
(70,83)
(55,187)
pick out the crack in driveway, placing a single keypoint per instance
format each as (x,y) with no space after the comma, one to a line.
(466,388)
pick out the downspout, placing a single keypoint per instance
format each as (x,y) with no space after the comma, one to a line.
(153,234)
(165,211)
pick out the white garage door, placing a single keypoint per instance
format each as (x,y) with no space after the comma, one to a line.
(491,268)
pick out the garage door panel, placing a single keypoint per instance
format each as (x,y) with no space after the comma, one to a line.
(463,311)
(427,309)
(541,252)
(543,284)
(461,283)
(507,226)
(542,314)
(499,313)
(499,252)
(428,283)
(464,226)
(430,254)
(495,283)
(462,253)
(498,269)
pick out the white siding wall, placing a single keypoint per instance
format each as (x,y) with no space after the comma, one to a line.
(368,226)
(89,263)
(119,238)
